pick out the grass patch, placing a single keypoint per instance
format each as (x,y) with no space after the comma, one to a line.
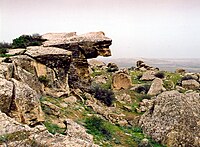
(53,128)
(101,130)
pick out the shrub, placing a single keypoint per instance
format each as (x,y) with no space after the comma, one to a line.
(187,77)
(4,47)
(143,89)
(27,40)
(53,128)
(101,129)
(160,75)
(43,79)
(104,95)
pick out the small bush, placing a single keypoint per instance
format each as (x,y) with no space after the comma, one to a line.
(28,40)
(4,47)
(143,89)
(53,128)
(104,95)
(101,129)
(187,77)
(43,79)
(160,75)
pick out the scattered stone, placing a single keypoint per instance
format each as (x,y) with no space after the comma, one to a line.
(156,87)
(121,81)
(70,100)
(126,98)
(190,84)
(53,109)
(148,76)
(39,135)
(112,67)
(180,71)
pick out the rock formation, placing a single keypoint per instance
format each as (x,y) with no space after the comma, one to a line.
(121,80)
(83,47)
(173,119)
(16,134)
(47,70)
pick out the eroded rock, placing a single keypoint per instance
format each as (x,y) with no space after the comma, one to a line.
(173,119)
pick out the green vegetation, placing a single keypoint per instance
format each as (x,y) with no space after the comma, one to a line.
(160,75)
(143,88)
(101,129)
(135,77)
(104,95)
(43,79)
(53,128)
(27,40)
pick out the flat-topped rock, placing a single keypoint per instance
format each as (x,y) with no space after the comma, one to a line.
(37,51)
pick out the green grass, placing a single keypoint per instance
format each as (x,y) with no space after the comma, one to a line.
(53,128)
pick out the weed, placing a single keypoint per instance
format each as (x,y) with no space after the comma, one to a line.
(53,128)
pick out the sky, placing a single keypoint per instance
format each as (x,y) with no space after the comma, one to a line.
(138,28)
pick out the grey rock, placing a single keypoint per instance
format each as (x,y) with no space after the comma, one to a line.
(173,119)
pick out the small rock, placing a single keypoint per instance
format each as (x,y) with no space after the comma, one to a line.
(71,100)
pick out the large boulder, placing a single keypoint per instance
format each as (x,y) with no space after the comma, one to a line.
(25,106)
(121,80)
(190,84)
(148,75)
(156,87)
(6,95)
(16,134)
(173,119)
(83,47)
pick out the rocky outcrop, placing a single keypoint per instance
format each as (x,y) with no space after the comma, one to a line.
(121,80)
(83,47)
(15,134)
(140,65)
(173,119)
(21,102)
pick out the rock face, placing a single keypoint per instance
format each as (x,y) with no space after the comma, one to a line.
(20,101)
(190,84)
(174,119)
(156,87)
(83,47)
(121,80)
(23,136)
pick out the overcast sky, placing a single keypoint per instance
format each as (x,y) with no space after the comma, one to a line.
(139,28)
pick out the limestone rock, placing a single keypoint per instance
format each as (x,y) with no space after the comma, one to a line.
(26,107)
(52,109)
(156,87)
(124,98)
(18,51)
(6,95)
(25,136)
(29,71)
(121,81)
(70,99)
(93,63)
(83,47)
(173,119)
(148,76)
(190,84)
(6,70)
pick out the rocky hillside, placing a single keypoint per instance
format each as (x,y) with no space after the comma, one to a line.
(51,95)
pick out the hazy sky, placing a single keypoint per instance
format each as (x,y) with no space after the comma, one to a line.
(139,28)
